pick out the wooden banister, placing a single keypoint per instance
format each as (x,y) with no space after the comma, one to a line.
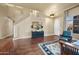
(68,48)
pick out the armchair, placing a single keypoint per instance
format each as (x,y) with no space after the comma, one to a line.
(66,36)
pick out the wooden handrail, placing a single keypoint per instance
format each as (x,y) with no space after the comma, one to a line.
(69,44)
(69,48)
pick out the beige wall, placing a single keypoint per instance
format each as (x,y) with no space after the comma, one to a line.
(23,28)
(5,23)
(58,25)
(5,27)
(58,21)
(48,24)
(23,21)
(71,12)
(74,12)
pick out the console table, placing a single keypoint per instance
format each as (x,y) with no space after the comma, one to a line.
(37,34)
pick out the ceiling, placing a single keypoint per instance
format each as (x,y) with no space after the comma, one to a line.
(48,7)
(45,6)
(34,6)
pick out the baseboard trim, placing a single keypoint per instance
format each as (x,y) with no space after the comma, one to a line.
(7,36)
(48,34)
(17,38)
(21,38)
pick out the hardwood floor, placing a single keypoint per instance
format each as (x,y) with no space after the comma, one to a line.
(6,46)
(29,46)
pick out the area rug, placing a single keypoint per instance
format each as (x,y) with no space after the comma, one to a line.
(50,48)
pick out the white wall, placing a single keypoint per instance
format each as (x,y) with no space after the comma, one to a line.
(60,19)
(48,26)
(5,23)
(74,12)
(58,25)
(51,26)
(23,28)
(5,27)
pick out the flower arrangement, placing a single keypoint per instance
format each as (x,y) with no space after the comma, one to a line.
(36,26)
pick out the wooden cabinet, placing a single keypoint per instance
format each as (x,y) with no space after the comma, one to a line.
(37,34)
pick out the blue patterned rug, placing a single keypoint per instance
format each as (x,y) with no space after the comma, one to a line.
(50,48)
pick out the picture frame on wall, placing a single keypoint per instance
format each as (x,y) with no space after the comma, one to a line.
(76,24)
